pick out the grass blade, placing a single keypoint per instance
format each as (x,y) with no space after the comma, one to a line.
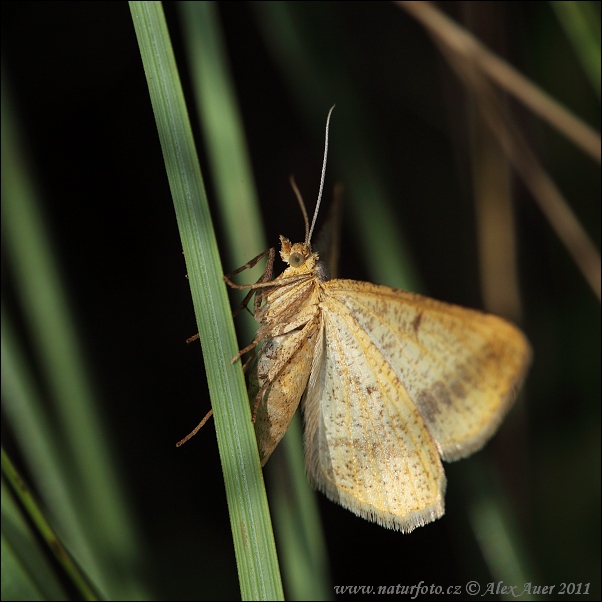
(247,502)
(295,511)
(79,485)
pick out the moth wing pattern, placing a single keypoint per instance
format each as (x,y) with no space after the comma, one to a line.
(461,367)
(281,398)
(367,447)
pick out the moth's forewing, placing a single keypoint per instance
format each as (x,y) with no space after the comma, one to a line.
(402,379)
(288,330)
(367,447)
(281,399)
(462,368)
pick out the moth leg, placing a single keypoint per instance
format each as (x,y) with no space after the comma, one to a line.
(244,304)
(254,344)
(246,365)
(265,277)
(196,429)
(208,415)
(266,331)
(266,280)
(272,254)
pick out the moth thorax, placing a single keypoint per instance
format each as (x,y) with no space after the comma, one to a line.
(322,271)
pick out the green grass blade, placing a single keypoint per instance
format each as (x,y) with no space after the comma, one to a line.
(298,527)
(496,528)
(247,502)
(97,528)
(24,409)
(34,512)
(26,572)
(301,540)
(224,134)
(581,23)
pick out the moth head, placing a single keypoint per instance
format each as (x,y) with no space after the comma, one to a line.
(298,255)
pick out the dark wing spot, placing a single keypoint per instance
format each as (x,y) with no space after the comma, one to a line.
(457,388)
(416,322)
(429,407)
(433,401)
(441,393)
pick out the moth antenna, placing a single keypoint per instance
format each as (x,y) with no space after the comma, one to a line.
(302,205)
(313,222)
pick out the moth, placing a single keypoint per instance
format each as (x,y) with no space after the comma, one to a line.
(390,382)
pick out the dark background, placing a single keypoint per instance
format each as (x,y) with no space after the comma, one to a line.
(77,83)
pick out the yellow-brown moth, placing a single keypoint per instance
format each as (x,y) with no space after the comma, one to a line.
(391,382)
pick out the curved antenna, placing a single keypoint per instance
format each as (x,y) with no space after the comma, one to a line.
(302,205)
(313,221)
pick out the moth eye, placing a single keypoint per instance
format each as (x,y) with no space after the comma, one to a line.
(296,260)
